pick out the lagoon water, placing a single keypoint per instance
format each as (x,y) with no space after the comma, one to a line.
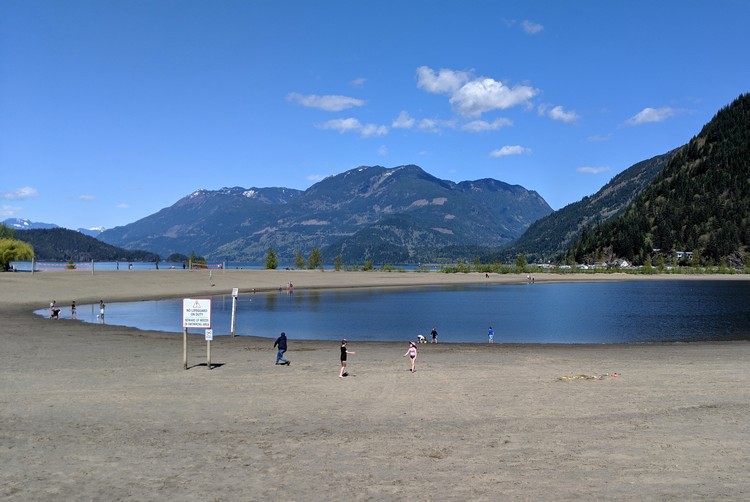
(567,313)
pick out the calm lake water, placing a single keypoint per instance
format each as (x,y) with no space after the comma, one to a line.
(568,313)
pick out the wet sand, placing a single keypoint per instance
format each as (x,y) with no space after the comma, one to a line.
(100,412)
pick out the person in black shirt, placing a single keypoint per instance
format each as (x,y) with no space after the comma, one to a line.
(344,353)
(281,344)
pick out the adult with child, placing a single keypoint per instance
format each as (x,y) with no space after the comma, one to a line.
(54,312)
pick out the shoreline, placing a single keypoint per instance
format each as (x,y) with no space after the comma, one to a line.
(102,412)
(27,289)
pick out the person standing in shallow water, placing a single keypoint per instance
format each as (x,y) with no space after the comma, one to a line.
(344,353)
(281,344)
(491,335)
(433,333)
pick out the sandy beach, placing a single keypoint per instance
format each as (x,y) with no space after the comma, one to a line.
(100,412)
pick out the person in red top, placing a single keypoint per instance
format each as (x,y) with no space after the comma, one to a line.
(412,353)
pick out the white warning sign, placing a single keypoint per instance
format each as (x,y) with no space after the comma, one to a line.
(196,312)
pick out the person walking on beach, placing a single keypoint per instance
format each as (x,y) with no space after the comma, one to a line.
(281,344)
(491,335)
(412,353)
(434,334)
(101,311)
(73,314)
(344,353)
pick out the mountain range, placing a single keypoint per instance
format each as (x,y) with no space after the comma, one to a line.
(25,224)
(393,215)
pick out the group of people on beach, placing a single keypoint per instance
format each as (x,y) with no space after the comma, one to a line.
(54,311)
(281,344)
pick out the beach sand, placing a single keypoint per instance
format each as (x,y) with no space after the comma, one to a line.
(100,412)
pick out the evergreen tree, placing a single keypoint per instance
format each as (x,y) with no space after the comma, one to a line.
(299,260)
(521,263)
(6,232)
(271,262)
(315,260)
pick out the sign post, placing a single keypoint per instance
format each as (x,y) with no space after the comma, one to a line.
(235,293)
(196,313)
(209,337)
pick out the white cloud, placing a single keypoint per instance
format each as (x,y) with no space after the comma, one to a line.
(329,103)
(341,125)
(354,125)
(373,130)
(531,28)
(122,205)
(9,211)
(486,94)
(510,150)
(403,121)
(19,193)
(593,170)
(406,121)
(435,125)
(87,198)
(651,115)
(600,137)
(557,113)
(315,177)
(383,150)
(358,82)
(483,125)
(471,97)
(443,82)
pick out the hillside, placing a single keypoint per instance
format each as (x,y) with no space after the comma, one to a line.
(550,238)
(202,221)
(699,203)
(59,244)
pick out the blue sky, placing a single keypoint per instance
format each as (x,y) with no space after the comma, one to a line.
(113,110)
